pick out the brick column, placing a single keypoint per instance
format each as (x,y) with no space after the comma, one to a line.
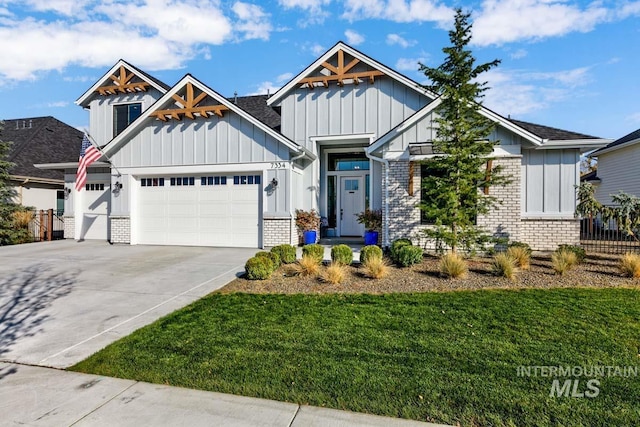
(120,229)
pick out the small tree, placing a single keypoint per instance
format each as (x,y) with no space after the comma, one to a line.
(7,194)
(453,196)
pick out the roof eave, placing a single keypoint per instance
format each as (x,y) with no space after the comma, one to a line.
(279,94)
(70,165)
(616,147)
(583,144)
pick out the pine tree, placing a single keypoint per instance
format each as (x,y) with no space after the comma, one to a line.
(7,204)
(453,196)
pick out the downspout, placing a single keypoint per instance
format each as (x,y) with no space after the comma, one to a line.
(385,224)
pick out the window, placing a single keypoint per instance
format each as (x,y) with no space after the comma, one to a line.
(186,181)
(123,115)
(427,170)
(348,162)
(213,180)
(152,182)
(94,187)
(245,180)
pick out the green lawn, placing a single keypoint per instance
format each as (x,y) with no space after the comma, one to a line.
(444,357)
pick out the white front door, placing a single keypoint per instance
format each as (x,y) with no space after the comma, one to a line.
(351,203)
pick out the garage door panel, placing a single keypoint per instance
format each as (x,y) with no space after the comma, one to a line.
(200,215)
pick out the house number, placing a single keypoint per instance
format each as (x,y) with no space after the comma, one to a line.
(278,165)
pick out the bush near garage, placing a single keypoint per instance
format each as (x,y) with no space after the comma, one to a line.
(287,253)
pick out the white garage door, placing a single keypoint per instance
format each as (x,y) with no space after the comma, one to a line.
(212,210)
(95,199)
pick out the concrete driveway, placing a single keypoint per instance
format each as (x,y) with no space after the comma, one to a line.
(62,301)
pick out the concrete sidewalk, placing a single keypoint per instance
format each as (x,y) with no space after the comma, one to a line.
(39,396)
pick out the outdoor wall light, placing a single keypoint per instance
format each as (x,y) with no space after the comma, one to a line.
(274,183)
(67,191)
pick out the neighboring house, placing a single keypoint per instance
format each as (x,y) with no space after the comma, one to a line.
(617,168)
(39,140)
(191,167)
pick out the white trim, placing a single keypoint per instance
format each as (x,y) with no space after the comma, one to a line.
(550,216)
(363,58)
(197,169)
(70,165)
(583,144)
(617,147)
(85,96)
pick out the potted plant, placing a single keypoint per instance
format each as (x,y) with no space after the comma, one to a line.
(372,220)
(308,223)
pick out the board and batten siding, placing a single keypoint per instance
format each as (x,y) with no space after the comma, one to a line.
(618,171)
(101,111)
(348,110)
(227,140)
(425,130)
(549,178)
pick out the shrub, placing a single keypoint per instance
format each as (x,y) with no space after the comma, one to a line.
(579,251)
(375,268)
(452,265)
(341,254)
(307,220)
(630,265)
(563,261)
(314,251)
(334,273)
(521,256)
(370,252)
(396,246)
(258,268)
(409,255)
(504,265)
(271,256)
(287,253)
(306,266)
(21,219)
(522,245)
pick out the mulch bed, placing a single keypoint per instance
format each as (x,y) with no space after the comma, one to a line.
(596,271)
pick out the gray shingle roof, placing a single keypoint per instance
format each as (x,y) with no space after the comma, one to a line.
(40,140)
(258,108)
(627,138)
(551,133)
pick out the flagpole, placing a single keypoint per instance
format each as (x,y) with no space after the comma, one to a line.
(97,147)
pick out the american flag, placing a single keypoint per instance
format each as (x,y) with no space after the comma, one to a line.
(88,155)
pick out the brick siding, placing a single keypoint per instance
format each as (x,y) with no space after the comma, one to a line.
(278,231)
(120,229)
(546,234)
(69,227)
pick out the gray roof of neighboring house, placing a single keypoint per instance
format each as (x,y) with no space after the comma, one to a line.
(40,140)
(627,138)
(257,106)
(551,133)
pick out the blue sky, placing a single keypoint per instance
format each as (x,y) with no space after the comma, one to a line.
(565,63)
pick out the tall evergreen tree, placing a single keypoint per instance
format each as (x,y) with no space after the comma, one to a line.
(453,196)
(7,204)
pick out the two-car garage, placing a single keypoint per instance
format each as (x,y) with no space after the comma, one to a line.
(203,210)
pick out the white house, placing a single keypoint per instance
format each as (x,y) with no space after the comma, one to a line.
(185,165)
(618,168)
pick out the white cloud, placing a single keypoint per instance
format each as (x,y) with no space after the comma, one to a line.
(504,21)
(253,21)
(409,64)
(266,87)
(57,104)
(519,54)
(316,49)
(393,39)
(81,79)
(284,77)
(399,10)
(519,92)
(353,38)
(634,118)
(315,10)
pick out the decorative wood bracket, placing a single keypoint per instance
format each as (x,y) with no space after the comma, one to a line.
(123,84)
(190,107)
(341,73)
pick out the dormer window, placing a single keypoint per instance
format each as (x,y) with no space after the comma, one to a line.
(123,115)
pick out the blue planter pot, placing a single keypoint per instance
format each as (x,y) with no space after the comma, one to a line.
(370,237)
(309,237)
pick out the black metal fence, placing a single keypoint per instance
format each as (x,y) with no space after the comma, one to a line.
(606,237)
(46,225)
